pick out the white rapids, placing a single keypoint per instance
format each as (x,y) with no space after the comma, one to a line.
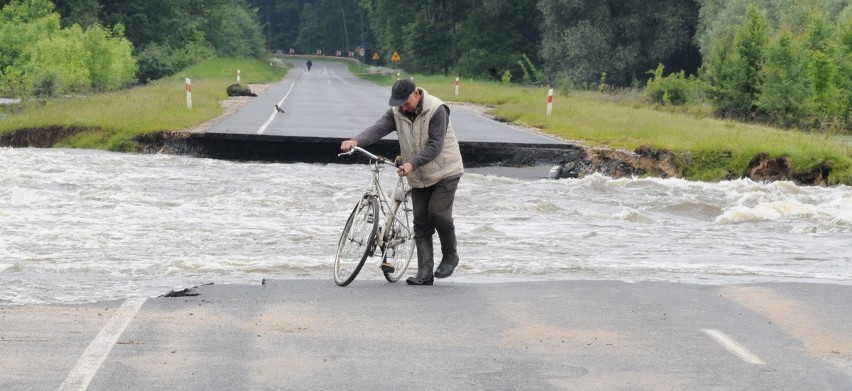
(81,226)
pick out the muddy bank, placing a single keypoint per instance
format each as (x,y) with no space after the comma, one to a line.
(39,138)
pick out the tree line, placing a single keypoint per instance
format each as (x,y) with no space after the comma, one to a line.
(77,46)
(782,61)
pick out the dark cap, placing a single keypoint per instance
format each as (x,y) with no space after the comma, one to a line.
(400,92)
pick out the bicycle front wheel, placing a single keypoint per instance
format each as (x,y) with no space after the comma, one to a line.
(400,244)
(357,240)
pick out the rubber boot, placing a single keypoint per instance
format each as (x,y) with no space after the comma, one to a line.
(449,255)
(425,263)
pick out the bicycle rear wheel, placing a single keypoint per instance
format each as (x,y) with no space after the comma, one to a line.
(357,240)
(400,246)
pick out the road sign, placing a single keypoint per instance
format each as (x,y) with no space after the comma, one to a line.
(376,56)
(395,57)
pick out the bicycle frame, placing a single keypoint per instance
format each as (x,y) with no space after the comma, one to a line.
(387,208)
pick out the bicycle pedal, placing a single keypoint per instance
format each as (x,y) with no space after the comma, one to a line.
(388,268)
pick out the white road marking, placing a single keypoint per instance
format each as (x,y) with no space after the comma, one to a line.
(275,111)
(733,347)
(99,348)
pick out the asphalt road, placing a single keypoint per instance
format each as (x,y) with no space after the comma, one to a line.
(311,334)
(330,102)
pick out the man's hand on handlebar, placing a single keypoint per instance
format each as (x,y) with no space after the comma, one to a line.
(347,145)
(405,169)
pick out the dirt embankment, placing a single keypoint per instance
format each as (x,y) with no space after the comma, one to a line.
(644,161)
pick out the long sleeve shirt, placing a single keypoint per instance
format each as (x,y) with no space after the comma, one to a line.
(386,124)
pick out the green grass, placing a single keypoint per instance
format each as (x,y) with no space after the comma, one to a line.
(115,119)
(710,148)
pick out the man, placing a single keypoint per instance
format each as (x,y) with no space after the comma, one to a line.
(433,165)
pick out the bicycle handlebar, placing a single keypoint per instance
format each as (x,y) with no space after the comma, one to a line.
(380,159)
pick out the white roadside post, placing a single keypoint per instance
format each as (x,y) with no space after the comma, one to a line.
(188,94)
(457,86)
(549,102)
(238,76)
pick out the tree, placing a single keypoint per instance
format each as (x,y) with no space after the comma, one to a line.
(784,91)
(822,70)
(724,72)
(232,29)
(733,69)
(311,30)
(802,77)
(495,35)
(40,57)
(428,46)
(751,40)
(15,83)
(83,12)
(111,65)
(324,25)
(844,40)
(169,35)
(582,39)
(720,17)
(386,19)
(59,64)
(22,24)
(429,31)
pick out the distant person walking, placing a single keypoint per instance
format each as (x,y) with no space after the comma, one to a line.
(309,65)
(433,165)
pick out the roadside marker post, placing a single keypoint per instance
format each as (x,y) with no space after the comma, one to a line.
(238,76)
(188,94)
(457,86)
(549,102)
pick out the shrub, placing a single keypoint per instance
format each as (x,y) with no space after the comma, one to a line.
(111,65)
(674,89)
(14,84)
(507,77)
(566,85)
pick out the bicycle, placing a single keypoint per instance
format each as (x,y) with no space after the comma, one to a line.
(363,236)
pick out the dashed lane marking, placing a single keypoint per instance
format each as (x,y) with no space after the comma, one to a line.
(733,346)
(98,350)
(275,111)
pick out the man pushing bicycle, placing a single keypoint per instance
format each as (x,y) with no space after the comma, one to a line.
(433,166)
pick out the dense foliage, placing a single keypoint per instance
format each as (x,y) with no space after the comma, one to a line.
(787,77)
(583,39)
(172,34)
(39,57)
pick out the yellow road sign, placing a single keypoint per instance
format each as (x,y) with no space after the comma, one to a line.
(376,56)
(395,57)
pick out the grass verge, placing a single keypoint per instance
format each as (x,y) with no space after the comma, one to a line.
(710,149)
(113,120)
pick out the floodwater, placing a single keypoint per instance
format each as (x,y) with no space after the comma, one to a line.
(80,226)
